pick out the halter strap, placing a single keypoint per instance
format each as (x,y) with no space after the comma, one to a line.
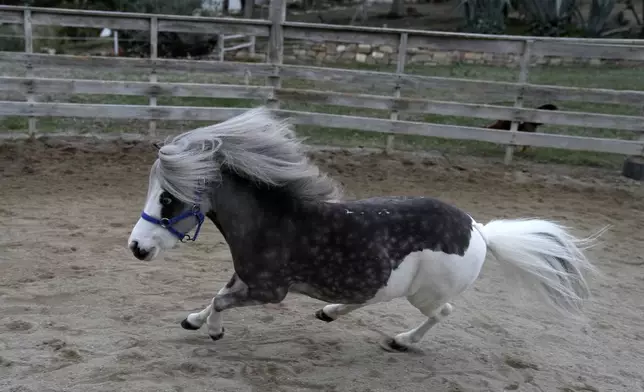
(167,223)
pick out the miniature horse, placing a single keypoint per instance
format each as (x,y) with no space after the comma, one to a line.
(289,230)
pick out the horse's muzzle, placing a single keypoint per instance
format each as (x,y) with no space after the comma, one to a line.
(138,252)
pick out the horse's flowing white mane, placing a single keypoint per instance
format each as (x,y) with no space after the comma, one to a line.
(255,145)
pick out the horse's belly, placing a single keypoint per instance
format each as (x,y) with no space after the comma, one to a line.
(343,293)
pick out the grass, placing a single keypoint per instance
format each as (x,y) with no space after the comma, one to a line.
(577,76)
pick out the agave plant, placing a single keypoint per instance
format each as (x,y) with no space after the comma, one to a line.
(485,16)
(596,25)
(549,17)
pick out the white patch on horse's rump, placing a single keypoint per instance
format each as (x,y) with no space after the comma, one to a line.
(430,278)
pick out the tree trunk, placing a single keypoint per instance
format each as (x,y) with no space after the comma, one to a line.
(397,9)
(248,6)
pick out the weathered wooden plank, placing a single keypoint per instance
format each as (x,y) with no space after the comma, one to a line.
(491,112)
(126,63)
(212,27)
(589,50)
(580,143)
(487,45)
(10,16)
(7,11)
(154,54)
(27,25)
(468,88)
(400,69)
(526,56)
(11,108)
(260,93)
(70,135)
(323,120)
(89,17)
(325,35)
(118,87)
(547,93)
(113,22)
(361,79)
(275,53)
(465,133)
(368,80)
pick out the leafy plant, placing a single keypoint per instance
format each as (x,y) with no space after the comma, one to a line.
(596,25)
(485,16)
(549,17)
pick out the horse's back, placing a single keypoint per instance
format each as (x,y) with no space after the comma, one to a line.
(413,222)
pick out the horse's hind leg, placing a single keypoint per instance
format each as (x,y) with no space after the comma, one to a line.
(431,304)
(403,341)
(333,311)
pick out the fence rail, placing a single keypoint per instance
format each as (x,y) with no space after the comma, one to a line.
(276,28)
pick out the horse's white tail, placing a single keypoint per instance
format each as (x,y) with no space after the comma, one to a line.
(544,256)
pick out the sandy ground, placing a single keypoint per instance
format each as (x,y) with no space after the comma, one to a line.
(79,313)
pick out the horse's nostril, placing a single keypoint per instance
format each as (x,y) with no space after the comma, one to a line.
(139,253)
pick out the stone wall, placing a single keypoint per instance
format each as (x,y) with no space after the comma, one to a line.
(301,52)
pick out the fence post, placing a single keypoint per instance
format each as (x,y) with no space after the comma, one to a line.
(221,42)
(154,54)
(29,48)
(400,69)
(252,43)
(277,16)
(526,56)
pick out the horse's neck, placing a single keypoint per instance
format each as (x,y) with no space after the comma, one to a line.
(242,211)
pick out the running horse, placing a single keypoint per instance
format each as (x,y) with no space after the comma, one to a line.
(289,230)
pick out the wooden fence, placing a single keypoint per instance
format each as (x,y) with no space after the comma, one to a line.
(276,29)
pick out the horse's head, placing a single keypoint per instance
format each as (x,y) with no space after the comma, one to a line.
(187,179)
(164,221)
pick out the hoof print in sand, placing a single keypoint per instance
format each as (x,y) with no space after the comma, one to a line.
(70,354)
(19,325)
(518,363)
(55,344)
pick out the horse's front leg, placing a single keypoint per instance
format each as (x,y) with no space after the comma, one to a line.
(235,294)
(194,321)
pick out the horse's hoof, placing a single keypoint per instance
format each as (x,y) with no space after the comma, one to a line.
(218,336)
(185,324)
(323,316)
(390,344)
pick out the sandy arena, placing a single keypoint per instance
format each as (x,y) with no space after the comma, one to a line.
(79,313)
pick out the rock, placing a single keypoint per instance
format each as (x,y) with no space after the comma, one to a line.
(555,61)
(361,58)
(241,55)
(386,49)
(364,48)
(340,48)
(421,58)
(595,61)
(377,55)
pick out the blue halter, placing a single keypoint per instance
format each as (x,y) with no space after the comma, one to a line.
(167,223)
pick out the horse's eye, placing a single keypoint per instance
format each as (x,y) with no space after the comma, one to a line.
(166,201)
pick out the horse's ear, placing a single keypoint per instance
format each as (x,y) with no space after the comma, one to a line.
(157,146)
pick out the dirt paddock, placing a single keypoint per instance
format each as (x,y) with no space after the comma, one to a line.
(79,313)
